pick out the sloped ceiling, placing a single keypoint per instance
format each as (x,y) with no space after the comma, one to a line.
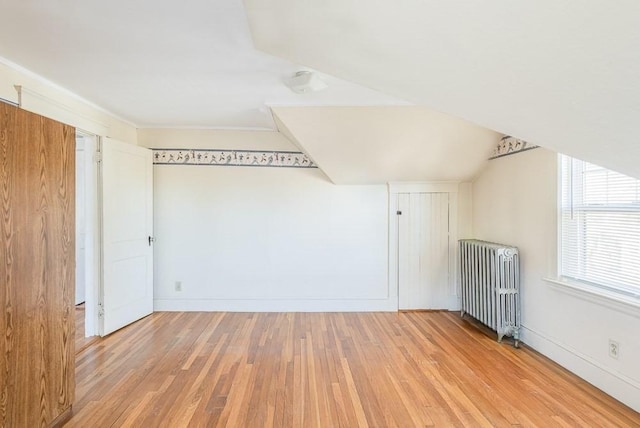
(564,75)
(159,64)
(368,145)
(162,63)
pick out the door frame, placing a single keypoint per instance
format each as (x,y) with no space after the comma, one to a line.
(93,243)
(455,191)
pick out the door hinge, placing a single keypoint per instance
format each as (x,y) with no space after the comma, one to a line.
(100,310)
(398,212)
(97,157)
(151,240)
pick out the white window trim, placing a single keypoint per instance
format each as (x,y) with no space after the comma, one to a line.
(592,293)
(601,296)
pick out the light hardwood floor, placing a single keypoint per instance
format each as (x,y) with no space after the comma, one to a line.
(326,370)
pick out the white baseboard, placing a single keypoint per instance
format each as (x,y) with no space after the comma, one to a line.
(616,384)
(218,305)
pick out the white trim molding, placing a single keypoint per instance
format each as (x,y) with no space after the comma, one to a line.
(60,90)
(423,187)
(35,102)
(619,386)
(276,305)
(616,301)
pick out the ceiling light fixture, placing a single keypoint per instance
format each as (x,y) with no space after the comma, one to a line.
(305,81)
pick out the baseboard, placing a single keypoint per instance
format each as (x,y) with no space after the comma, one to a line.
(619,386)
(297,305)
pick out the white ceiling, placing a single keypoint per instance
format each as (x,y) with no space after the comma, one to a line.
(161,63)
(375,145)
(565,75)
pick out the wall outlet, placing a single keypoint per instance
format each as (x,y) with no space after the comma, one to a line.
(614,349)
(178,286)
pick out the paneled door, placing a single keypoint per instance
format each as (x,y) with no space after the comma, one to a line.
(127,234)
(423,251)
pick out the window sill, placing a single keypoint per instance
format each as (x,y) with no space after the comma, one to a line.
(620,302)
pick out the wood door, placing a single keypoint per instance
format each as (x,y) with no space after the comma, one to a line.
(423,251)
(37,268)
(127,226)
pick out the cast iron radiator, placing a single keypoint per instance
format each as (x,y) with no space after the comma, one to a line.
(490,286)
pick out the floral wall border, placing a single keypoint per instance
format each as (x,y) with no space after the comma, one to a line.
(509,145)
(220,157)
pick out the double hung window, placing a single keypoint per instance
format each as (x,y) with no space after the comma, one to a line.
(600,227)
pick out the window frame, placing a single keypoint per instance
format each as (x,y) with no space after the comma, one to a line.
(593,291)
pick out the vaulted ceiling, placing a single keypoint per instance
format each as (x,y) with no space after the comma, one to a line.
(369,145)
(563,75)
(162,63)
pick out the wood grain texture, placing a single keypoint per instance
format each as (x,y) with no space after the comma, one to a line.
(37,263)
(326,370)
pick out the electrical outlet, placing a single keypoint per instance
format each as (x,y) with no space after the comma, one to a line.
(614,349)
(178,285)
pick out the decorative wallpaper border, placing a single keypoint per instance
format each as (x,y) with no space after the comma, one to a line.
(509,145)
(218,157)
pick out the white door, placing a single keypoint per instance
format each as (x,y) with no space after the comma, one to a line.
(127,228)
(423,251)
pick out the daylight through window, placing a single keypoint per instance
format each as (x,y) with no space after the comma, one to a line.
(600,227)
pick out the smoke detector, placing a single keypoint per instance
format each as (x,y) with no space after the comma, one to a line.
(305,81)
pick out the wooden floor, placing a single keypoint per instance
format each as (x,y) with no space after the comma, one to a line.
(326,370)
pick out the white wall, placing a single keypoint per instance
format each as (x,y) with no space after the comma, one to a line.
(514,202)
(264,239)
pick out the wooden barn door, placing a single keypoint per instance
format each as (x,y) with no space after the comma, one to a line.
(37,268)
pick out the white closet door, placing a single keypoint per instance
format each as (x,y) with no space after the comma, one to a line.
(423,251)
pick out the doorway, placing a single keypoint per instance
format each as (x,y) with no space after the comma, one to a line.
(422,245)
(114,233)
(87,233)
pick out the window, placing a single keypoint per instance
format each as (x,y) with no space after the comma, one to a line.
(600,227)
